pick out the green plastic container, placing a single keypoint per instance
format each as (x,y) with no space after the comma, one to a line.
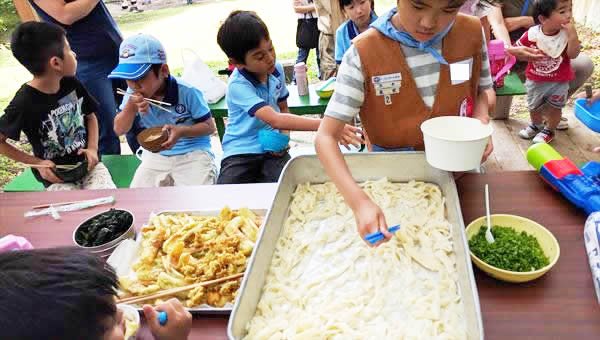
(540,153)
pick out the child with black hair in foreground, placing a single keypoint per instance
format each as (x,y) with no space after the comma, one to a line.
(54,110)
(68,293)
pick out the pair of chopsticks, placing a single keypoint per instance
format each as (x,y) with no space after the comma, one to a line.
(66,166)
(378,236)
(173,291)
(153,102)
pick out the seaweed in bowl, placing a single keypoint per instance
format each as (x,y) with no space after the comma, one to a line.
(103,228)
(511,250)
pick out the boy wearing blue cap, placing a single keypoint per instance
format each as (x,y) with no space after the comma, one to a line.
(54,110)
(420,60)
(257,100)
(185,157)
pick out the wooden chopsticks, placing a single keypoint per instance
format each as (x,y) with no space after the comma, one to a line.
(172,291)
(153,102)
(66,167)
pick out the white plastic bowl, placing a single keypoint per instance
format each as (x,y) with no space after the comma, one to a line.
(454,143)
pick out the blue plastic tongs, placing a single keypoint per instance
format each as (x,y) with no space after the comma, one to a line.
(378,236)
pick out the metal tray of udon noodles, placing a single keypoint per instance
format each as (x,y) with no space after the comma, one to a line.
(397,167)
(127,260)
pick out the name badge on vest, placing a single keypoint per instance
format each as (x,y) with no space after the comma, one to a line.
(386,85)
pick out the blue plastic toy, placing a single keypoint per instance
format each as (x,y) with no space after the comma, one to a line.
(580,186)
(588,115)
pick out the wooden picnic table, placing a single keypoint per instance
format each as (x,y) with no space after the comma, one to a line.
(300,105)
(560,305)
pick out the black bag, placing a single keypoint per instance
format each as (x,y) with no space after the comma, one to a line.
(307,34)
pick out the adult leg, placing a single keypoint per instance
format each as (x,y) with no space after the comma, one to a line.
(583,67)
(93,74)
(326,48)
(241,169)
(273,166)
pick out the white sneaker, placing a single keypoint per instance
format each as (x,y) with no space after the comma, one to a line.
(563,124)
(529,132)
(545,136)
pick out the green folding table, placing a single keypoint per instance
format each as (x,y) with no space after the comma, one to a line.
(300,105)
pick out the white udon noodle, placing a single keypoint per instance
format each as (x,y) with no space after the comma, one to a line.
(325,283)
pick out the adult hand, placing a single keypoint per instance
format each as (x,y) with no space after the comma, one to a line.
(524,53)
(137,103)
(47,173)
(370,219)
(92,157)
(351,136)
(179,321)
(174,133)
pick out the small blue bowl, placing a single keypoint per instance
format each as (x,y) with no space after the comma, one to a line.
(590,116)
(273,141)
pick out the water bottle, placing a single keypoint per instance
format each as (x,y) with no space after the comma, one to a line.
(499,65)
(301,78)
(591,235)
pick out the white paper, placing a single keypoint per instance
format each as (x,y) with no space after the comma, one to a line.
(461,71)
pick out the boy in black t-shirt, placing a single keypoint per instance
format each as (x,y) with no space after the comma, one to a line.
(55,112)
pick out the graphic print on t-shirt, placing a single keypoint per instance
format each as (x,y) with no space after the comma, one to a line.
(63,132)
(547,65)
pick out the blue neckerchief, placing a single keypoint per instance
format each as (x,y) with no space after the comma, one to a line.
(384,25)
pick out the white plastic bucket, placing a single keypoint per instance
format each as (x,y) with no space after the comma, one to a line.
(455,143)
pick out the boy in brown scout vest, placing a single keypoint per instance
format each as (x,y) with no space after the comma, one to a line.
(421,60)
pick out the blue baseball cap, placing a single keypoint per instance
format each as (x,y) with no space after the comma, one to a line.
(136,55)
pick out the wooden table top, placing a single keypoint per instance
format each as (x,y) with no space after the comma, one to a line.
(560,305)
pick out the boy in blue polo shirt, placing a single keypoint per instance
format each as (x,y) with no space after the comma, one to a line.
(361,14)
(256,100)
(185,157)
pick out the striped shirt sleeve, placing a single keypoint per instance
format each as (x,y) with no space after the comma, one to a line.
(349,94)
(485,76)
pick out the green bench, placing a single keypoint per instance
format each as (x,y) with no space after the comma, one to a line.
(121,168)
(513,86)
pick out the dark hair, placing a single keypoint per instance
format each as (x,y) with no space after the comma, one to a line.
(34,43)
(156,69)
(344,3)
(58,293)
(241,32)
(543,8)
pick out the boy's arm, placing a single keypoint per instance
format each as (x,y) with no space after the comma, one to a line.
(124,119)
(67,13)
(369,217)
(91,152)
(23,157)
(574,45)
(205,128)
(286,121)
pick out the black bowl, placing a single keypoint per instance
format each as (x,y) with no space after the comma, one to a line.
(73,175)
